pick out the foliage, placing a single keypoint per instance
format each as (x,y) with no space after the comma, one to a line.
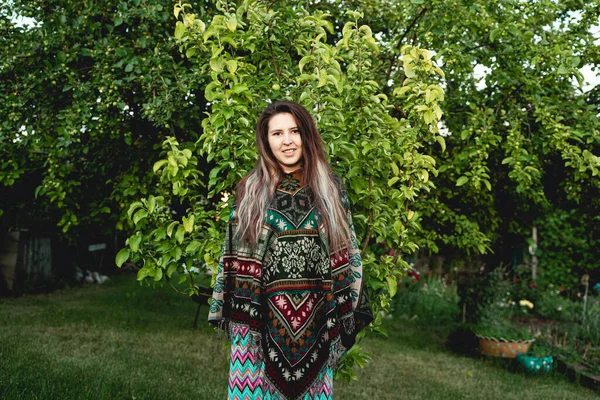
(569,243)
(430,302)
(464,170)
(253,54)
(499,305)
(574,337)
(520,137)
(540,349)
(553,304)
(88,91)
(500,329)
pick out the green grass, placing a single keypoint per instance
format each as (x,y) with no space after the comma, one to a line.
(123,341)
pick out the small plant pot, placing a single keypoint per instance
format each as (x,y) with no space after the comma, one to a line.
(535,364)
(490,346)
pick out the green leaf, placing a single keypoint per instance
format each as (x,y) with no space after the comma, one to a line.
(381,330)
(401,91)
(179,30)
(191,51)
(172,268)
(159,164)
(158,274)
(134,243)
(237,89)
(442,142)
(392,285)
(232,66)
(393,180)
(562,70)
(304,61)
(142,273)
(140,215)
(134,206)
(151,204)
(232,23)
(171,227)
(211,93)
(188,223)
(216,64)
(179,235)
(121,257)
(192,246)
(462,180)
(493,34)
(376,285)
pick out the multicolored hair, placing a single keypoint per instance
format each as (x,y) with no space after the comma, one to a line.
(257,189)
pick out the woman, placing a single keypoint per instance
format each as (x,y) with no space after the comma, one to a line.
(289,288)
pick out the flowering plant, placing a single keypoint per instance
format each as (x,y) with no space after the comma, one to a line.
(498,308)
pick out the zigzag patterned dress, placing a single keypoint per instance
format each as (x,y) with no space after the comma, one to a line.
(290,307)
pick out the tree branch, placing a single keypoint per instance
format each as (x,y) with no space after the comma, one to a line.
(277,72)
(174,288)
(399,45)
(505,99)
(412,25)
(368,235)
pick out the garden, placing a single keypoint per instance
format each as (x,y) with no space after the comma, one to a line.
(465,133)
(122,340)
(530,327)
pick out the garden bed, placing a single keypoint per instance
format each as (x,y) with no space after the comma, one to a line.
(578,372)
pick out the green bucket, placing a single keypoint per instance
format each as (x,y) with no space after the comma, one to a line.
(535,364)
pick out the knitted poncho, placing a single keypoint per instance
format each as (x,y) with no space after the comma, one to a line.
(303,305)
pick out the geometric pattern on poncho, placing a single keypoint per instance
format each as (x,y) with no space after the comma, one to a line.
(247,373)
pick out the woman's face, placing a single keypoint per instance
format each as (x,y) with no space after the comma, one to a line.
(285,141)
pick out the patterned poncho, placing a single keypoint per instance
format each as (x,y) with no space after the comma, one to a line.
(302,304)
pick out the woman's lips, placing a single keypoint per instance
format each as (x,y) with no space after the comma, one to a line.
(289,152)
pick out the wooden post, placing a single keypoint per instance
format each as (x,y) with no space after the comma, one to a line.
(533,251)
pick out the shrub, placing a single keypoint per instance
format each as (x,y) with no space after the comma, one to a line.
(430,302)
(555,306)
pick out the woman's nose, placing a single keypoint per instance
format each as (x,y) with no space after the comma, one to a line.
(287,139)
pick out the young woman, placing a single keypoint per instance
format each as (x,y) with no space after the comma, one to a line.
(289,288)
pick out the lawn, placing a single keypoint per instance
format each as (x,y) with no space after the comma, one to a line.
(124,341)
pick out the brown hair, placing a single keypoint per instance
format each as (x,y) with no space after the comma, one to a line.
(257,189)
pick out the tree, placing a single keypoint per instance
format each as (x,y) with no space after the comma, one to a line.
(254,54)
(522,137)
(88,91)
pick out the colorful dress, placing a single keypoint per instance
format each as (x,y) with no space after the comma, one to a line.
(290,306)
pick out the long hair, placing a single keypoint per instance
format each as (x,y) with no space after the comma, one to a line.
(257,189)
